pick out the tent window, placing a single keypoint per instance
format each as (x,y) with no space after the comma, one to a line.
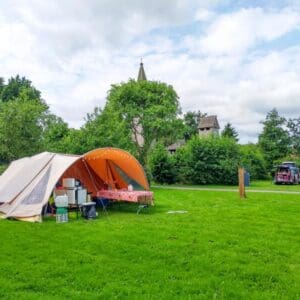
(37,194)
(127,179)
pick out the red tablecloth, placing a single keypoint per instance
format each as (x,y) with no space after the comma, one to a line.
(144,197)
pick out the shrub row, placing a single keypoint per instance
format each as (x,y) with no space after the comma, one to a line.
(206,160)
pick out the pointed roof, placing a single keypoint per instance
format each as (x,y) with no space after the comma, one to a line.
(209,122)
(141,75)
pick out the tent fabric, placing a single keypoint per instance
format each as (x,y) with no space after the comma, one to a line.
(36,188)
(104,161)
(27,184)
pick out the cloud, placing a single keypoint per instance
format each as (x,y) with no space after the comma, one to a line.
(216,60)
(235,33)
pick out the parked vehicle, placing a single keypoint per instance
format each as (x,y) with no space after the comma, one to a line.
(287,173)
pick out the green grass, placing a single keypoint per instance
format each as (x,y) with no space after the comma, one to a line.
(222,248)
(254,185)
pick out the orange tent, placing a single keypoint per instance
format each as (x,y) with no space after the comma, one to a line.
(114,166)
(108,167)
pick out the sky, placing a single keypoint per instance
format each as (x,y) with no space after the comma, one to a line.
(234,59)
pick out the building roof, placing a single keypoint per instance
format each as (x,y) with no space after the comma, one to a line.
(142,74)
(209,122)
(176,145)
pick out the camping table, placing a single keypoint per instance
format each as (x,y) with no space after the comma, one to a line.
(143,197)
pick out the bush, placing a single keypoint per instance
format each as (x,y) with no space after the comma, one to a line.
(3,167)
(208,160)
(253,161)
(161,165)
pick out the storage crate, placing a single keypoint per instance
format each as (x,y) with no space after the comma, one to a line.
(62,218)
(61,201)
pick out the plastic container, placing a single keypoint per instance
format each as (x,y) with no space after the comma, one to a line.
(61,201)
(69,183)
(61,210)
(61,218)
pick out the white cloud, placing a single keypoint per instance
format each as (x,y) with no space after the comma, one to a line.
(74,50)
(236,32)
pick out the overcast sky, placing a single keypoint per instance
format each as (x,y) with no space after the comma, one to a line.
(234,59)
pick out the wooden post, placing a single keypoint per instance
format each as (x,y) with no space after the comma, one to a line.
(242,183)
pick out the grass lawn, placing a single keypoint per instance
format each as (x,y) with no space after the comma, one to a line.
(222,248)
(254,185)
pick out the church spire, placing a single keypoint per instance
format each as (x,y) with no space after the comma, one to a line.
(141,75)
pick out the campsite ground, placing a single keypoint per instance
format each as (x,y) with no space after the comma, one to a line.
(267,185)
(221,248)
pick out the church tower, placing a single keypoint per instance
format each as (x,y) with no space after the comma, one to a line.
(142,74)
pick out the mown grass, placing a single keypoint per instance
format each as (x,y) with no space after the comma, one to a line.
(222,248)
(254,185)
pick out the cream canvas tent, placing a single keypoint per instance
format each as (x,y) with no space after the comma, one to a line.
(27,184)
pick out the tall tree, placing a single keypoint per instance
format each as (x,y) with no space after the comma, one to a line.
(274,139)
(22,112)
(105,129)
(17,86)
(20,128)
(230,132)
(294,130)
(1,86)
(147,108)
(191,121)
(55,132)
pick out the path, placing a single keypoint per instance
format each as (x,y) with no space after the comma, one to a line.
(223,190)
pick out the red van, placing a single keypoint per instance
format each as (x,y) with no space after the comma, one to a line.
(287,174)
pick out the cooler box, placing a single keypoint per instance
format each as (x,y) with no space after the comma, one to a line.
(69,183)
(88,210)
(71,196)
(81,196)
(61,201)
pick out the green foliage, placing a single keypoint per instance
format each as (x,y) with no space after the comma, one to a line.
(161,165)
(16,87)
(209,160)
(253,161)
(106,129)
(22,115)
(152,107)
(274,139)
(182,159)
(191,121)
(230,132)
(20,128)
(294,130)
(54,134)
(1,85)
(3,167)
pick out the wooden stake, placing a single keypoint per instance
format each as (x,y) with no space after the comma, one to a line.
(242,183)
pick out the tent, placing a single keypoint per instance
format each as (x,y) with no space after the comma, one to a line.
(27,184)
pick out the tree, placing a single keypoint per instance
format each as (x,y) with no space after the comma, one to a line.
(294,130)
(22,113)
(274,139)
(17,86)
(54,134)
(20,128)
(253,161)
(105,129)
(191,121)
(148,110)
(230,132)
(1,85)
